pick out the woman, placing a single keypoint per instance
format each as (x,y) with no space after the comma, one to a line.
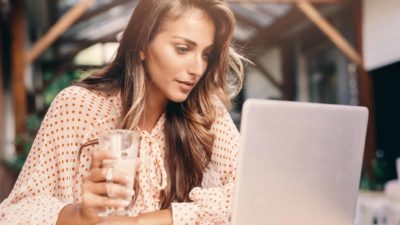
(169,79)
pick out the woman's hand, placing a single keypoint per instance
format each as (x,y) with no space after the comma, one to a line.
(161,217)
(119,220)
(95,191)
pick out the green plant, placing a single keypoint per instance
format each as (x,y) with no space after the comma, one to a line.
(379,177)
(24,142)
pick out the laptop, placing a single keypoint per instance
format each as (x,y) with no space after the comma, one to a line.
(300,163)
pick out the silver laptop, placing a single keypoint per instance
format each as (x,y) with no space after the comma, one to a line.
(300,163)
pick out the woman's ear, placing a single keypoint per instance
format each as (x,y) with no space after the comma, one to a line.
(141,54)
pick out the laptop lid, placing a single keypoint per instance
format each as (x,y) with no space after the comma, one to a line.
(300,163)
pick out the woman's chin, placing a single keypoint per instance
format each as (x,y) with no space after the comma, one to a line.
(179,98)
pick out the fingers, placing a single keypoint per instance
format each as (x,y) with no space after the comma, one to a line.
(99,156)
(100,195)
(99,175)
(111,190)
(90,200)
(97,193)
(119,220)
(95,183)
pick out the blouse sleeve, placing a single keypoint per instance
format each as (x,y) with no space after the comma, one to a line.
(45,184)
(212,203)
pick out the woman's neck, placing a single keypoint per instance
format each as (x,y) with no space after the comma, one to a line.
(155,106)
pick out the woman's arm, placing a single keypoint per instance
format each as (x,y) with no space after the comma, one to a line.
(44,186)
(94,191)
(162,217)
(45,190)
(70,215)
(212,202)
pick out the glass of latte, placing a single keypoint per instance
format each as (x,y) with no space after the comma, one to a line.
(125,145)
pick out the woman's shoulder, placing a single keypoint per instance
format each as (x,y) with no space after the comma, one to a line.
(81,94)
(81,104)
(220,107)
(76,97)
(77,92)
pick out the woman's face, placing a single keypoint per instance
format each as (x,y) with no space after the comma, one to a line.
(178,56)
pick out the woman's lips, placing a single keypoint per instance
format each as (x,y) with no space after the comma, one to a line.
(186,85)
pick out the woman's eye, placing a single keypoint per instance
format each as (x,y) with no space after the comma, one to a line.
(182,49)
(207,55)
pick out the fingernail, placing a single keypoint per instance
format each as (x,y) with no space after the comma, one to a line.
(113,154)
(130,192)
(129,179)
(124,203)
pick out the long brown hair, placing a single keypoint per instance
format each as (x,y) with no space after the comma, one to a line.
(188,124)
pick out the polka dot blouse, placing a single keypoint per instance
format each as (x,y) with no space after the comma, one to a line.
(52,175)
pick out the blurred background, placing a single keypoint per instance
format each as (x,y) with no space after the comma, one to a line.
(326,51)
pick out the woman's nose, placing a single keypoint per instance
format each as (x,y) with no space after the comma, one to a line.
(197,66)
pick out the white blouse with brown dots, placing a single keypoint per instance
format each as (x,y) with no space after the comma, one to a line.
(52,175)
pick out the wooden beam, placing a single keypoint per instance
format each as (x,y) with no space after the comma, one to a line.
(58,29)
(18,64)
(2,106)
(287,1)
(312,13)
(366,92)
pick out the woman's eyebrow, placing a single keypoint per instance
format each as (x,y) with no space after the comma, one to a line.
(186,40)
(191,42)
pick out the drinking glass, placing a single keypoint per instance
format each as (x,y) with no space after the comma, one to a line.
(125,145)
